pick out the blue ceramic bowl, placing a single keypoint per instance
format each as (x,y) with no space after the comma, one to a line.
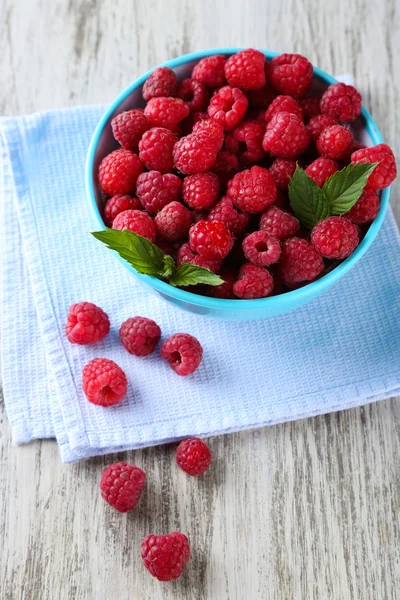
(236,310)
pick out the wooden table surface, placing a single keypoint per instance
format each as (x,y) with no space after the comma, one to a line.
(306,510)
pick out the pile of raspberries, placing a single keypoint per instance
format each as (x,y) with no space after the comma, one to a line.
(203,171)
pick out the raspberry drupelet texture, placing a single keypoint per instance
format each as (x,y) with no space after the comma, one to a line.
(299,262)
(283,104)
(253,282)
(211,239)
(234,219)
(310,106)
(119,171)
(246,69)
(225,289)
(86,323)
(162,82)
(291,74)
(129,126)
(365,209)
(335,142)
(341,101)
(317,124)
(253,190)
(155,190)
(246,141)
(165,556)
(279,223)
(117,204)
(121,485)
(385,172)
(261,248)
(183,353)
(228,107)
(139,335)
(286,136)
(136,221)
(335,237)
(210,71)
(201,191)
(194,94)
(193,456)
(186,255)
(282,169)
(104,382)
(210,132)
(194,154)
(155,149)
(321,169)
(173,222)
(166,112)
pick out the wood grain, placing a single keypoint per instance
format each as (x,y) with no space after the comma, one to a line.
(306,510)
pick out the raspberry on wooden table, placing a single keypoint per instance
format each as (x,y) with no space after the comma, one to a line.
(283,104)
(200,191)
(161,82)
(139,335)
(250,135)
(282,169)
(121,485)
(119,171)
(285,136)
(385,172)
(246,69)
(166,112)
(155,190)
(253,190)
(335,238)
(194,94)
(253,282)
(261,248)
(165,556)
(173,222)
(234,219)
(155,149)
(136,221)
(86,323)
(341,101)
(291,74)
(310,106)
(210,71)
(228,106)
(117,204)
(193,456)
(299,262)
(129,126)
(279,223)
(211,239)
(335,142)
(321,169)
(186,255)
(104,382)
(317,124)
(183,353)
(365,209)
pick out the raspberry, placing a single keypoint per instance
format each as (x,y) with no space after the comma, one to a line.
(119,171)
(162,82)
(165,556)
(166,112)
(253,190)
(299,262)
(279,223)
(104,382)
(253,282)
(283,104)
(248,134)
(190,121)
(138,222)
(261,248)
(282,170)
(285,136)
(262,97)
(310,106)
(210,239)
(185,255)
(86,323)
(317,124)
(365,209)
(155,149)
(384,173)
(129,126)
(139,335)
(193,456)
(193,154)
(245,69)
(341,101)
(210,71)
(335,142)
(209,131)
(201,191)
(194,94)
(291,74)
(321,169)
(233,219)
(117,204)
(225,289)
(155,190)
(183,353)
(228,107)
(121,485)
(335,237)
(173,222)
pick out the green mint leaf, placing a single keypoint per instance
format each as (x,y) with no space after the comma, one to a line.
(169,266)
(187,274)
(307,200)
(344,188)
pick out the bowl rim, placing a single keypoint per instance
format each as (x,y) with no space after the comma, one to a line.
(287,299)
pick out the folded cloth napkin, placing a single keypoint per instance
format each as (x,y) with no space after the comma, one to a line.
(339,351)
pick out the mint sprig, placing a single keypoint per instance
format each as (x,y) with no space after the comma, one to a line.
(308,203)
(148,259)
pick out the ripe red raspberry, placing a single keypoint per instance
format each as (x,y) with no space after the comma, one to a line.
(282,170)
(299,262)
(210,132)
(162,82)
(104,382)
(385,172)
(283,104)
(193,154)
(225,289)
(200,191)
(253,190)
(165,556)
(121,485)
(155,149)
(155,190)
(228,106)
(365,209)
(291,74)
(262,97)
(247,141)
(335,142)
(317,124)
(253,282)
(119,171)
(129,126)
(211,239)
(194,94)
(86,323)
(183,353)
(117,204)
(233,219)
(166,112)
(210,71)
(279,223)
(310,106)
(341,101)
(321,169)
(173,222)
(193,456)
(285,136)
(245,69)
(261,248)
(136,221)
(335,237)
(139,335)
(186,255)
